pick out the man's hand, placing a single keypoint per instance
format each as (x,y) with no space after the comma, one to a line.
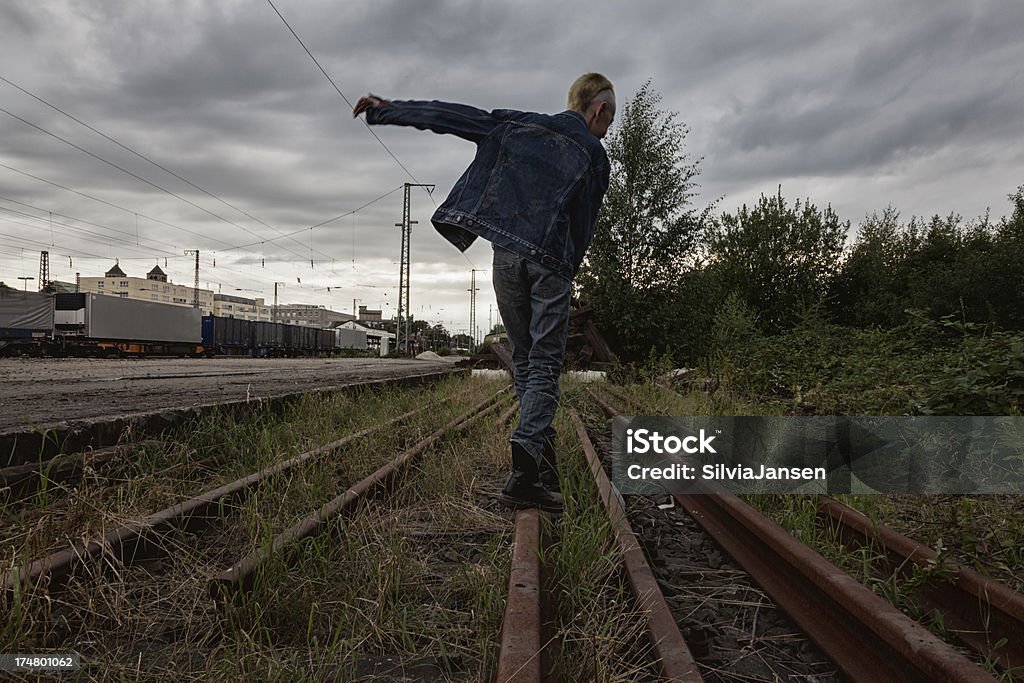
(366,102)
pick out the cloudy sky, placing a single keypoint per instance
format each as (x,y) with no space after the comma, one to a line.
(915,104)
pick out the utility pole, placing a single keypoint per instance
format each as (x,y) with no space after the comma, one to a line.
(276,285)
(44,271)
(472,310)
(26,279)
(195,288)
(402,334)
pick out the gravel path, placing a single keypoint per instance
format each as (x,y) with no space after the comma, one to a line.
(45,392)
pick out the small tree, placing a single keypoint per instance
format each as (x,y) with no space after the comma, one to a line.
(779,259)
(871,287)
(647,229)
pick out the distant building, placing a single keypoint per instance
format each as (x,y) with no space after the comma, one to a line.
(313,316)
(373,337)
(244,308)
(64,287)
(154,287)
(156,274)
(369,314)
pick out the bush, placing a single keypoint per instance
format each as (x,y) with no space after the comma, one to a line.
(922,367)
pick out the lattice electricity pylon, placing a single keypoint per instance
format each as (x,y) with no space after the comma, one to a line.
(472,310)
(195,289)
(402,326)
(44,271)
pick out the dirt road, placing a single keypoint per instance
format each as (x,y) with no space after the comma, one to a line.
(45,392)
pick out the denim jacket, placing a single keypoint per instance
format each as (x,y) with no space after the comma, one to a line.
(534,188)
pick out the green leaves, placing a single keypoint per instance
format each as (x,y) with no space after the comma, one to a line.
(647,231)
(779,259)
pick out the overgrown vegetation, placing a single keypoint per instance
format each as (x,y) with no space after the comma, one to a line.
(416,581)
(787,302)
(600,628)
(980,532)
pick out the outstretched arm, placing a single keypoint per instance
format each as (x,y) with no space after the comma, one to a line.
(462,120)
(368,101)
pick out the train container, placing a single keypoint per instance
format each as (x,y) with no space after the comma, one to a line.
(109,325)
(26,321)
(345,338)
(227,336)
(112,317)
(267,338)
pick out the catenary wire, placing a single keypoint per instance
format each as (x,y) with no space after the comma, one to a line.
(147,159)
(140,178)
(335,85)
(82,220)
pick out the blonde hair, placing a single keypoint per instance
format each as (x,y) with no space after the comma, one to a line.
(585,89)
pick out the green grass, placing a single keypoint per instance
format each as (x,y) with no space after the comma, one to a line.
(982,532)
(601,631)
(364,589)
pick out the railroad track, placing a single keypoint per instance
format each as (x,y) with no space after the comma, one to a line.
(157,558)
(58,475)
(866,637)
(39,497)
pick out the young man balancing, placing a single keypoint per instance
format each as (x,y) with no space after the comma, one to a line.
(533,191)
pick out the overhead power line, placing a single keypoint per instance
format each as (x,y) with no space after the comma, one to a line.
(148,160)
(349,103)
(140,178)
(104,239)
(174,247)
(113,205)
(321,223)
(331,80)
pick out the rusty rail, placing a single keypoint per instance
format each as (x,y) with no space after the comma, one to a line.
(241,576)
(521,653)
(637,406)
(20,480)
(865,636)
(506,417)
(141,538)
(674,657)
(978,610)
(525,653)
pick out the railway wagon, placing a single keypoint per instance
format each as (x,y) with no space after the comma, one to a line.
(325,340)
(26,322)
(97,324)
(345,338)
(267,339)
(228,336)
(103,325)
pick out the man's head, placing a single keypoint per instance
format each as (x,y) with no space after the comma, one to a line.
(593,96)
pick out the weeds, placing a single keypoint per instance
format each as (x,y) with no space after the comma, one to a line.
(353,592)
(602,633)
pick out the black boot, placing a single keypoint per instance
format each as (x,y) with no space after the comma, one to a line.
(549,467)
(523,489)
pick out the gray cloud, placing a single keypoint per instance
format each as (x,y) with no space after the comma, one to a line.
(855,104)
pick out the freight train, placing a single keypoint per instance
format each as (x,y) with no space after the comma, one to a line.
(83,324)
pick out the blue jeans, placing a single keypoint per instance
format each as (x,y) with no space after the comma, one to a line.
(534,306)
